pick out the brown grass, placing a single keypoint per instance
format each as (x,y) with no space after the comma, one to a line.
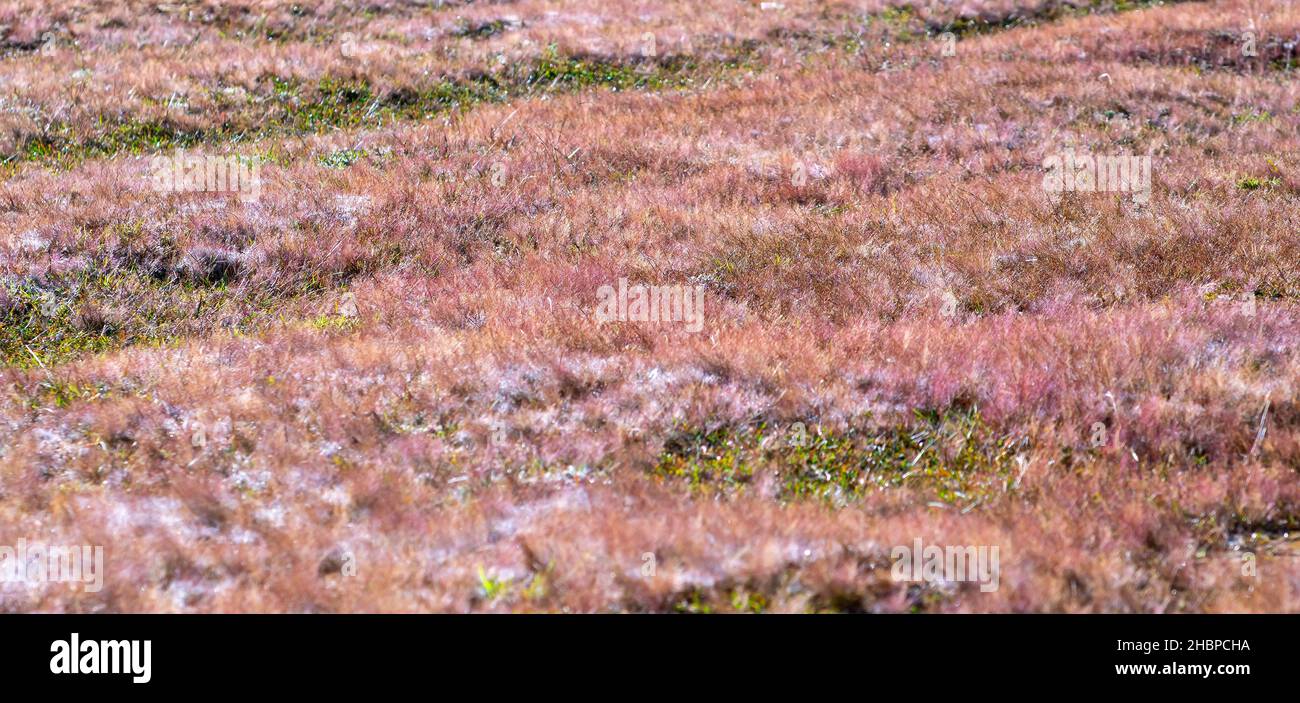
(879,262)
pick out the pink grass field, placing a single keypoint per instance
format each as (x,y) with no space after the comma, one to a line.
(381,381)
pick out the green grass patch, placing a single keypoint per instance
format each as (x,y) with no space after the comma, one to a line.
(953,456)
(50,320)
(1253,183)
(333,323)
(342,158)
(285,106)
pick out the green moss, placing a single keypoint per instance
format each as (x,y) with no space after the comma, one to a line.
(288,106)
(1253,183)
(61,394)
(953,456)
(1253,116)
(899,15)
(748,602)
(333,323)
(342,158)
(492,588)
(112,304)
(38,327)
(552,71)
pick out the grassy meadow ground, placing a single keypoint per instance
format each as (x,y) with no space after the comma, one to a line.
(382,384)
